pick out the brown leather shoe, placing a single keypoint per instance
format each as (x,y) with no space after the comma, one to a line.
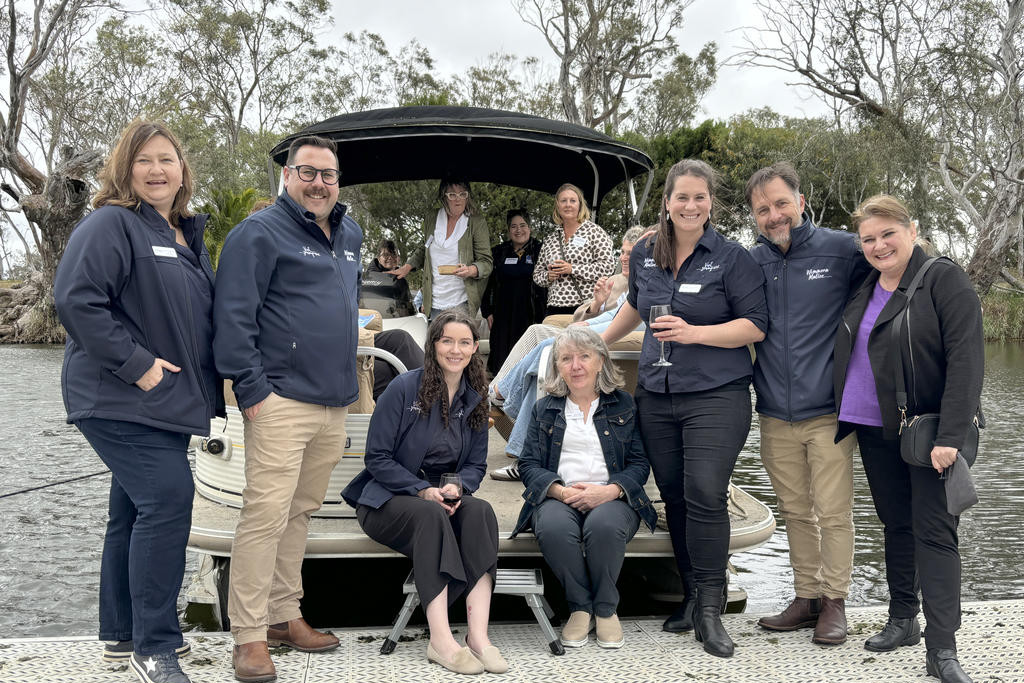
(831,626)
(252,663)
(298,635)
(801,613)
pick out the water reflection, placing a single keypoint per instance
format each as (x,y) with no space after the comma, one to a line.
(50,540)
(991,538)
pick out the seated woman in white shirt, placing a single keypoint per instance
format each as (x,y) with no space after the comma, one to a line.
(514,388)
(584,469)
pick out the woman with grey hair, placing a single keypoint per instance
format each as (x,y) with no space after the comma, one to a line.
(584,469)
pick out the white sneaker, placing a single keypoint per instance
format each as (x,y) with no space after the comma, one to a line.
(509,472)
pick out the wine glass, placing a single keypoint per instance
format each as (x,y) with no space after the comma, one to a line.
(451,488)
(657,312)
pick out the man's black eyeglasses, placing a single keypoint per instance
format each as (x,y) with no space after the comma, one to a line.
(308,174)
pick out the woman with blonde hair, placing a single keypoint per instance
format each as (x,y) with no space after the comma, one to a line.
(584,469)
(574,257)
(922,314)
(135,293)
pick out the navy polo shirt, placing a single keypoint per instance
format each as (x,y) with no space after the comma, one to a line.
(719,282)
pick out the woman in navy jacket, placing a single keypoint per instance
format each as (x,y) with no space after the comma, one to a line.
(427,423)
(943,353)
(695,413)
(135,291)
(584,468)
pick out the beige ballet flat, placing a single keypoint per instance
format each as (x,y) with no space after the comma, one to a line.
(462,663)
(491,659)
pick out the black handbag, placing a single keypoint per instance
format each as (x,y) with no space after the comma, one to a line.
(917,434)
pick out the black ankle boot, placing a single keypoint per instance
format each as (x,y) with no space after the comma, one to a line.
(943,665)
(681,620)
(707,622)
(896,633)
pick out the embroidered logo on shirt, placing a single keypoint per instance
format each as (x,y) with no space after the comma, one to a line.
(458,415)
(818,273)
(649,263)
(709,266)
(306,251)
(416,407)
(349,255)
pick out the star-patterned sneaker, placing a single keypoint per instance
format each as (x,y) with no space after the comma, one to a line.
(117,651)
(160,668)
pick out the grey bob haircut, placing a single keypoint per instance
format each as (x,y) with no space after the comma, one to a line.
(609,377)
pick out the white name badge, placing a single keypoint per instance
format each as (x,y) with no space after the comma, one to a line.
(165,251)
(511,261)
(578,241)
(689,288)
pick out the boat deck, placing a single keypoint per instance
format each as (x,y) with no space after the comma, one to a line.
(213,524)
(991,644)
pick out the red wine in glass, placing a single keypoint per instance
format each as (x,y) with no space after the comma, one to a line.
(451,488)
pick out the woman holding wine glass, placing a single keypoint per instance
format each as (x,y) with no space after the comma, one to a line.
(426,453)
(695,407)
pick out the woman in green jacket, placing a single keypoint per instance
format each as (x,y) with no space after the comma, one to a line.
(455,254)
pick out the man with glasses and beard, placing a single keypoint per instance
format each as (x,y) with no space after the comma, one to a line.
(285,317)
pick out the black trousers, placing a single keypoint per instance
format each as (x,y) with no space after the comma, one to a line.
(692,441)
(560,310)
(921,542)
(445,551)
(585,550)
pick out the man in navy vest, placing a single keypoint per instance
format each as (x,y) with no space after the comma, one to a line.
(285,333)
(809,274)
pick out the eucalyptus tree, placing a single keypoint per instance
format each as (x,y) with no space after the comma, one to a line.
(50,189)
(607,50)
(946,78)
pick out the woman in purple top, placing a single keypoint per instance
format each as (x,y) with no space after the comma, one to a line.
(943,360)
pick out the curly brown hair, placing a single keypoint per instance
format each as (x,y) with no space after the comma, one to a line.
(433,387)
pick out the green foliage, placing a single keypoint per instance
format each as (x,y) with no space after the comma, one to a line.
(227,209)
(1003,318)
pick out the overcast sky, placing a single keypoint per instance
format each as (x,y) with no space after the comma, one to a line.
(461,33)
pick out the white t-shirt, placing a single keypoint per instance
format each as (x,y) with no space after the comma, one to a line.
(447,291)
(582,460)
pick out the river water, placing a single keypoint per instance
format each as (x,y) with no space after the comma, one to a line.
(50,539)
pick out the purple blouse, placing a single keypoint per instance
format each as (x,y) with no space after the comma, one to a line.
(860,397)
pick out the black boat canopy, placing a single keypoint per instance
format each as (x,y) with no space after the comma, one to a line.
(479,145)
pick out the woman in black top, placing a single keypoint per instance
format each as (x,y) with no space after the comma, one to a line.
(512,302)
(695,413)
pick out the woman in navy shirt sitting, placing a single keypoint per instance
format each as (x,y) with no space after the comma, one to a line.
(427,423)
(694,413)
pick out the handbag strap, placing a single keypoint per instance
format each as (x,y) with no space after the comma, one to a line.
(901,387)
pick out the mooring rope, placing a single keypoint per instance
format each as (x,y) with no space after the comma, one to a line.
(53,483)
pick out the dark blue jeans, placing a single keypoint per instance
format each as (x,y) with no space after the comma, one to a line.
(149,520)
(922,548)
(692,441)
(585,550)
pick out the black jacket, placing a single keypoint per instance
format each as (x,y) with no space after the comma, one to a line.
(944,361)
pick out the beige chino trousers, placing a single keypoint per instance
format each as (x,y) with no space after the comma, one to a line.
(813,480)
(291,448)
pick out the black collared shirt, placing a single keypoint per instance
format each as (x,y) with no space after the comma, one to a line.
(718,283)
(442,455)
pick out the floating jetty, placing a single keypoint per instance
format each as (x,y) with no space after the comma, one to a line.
(991,645)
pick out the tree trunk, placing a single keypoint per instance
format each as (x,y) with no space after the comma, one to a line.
(30,316)
(995,237)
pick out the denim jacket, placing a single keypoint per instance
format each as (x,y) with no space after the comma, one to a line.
(615,421)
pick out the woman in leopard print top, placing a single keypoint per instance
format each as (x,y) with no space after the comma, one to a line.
(574,257)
